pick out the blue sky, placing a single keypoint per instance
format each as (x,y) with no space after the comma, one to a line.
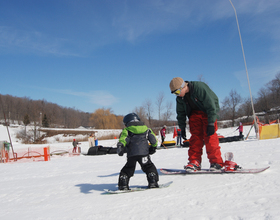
(90,54)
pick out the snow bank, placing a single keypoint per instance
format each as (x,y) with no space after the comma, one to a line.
(72,187)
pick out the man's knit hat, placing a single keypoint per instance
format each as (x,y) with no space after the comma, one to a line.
(176,83)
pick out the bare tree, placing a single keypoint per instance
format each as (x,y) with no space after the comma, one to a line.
(230,103)
(274,87)
(168,112)
(245,108)
(201,78)
(148,110)
(159,103)
(263,100)
(141,112)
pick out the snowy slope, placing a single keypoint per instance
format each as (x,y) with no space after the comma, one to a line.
(72,187)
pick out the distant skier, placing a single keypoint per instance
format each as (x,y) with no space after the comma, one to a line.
(179,137)
(134,141)
(240,128)
(75,144)
(162,133)
(91,140)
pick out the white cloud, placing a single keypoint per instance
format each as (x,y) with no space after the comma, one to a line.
(102,98)
(33,41)
(133,20)
(136,20)
(99,97)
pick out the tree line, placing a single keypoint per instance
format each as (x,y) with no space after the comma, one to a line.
(266,104)
(43,113)
(37,111)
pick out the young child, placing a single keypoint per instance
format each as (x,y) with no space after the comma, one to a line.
(162,133)
(240,128)
(134,141)
(75,144)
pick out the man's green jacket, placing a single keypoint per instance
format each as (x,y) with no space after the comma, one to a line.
(203,97)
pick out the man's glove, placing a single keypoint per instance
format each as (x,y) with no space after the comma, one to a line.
(210,130)
(183,134)
(152,150)
(120,149)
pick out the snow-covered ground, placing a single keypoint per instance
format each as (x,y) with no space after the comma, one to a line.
(72,187)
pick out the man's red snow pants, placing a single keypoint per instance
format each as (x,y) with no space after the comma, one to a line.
(198,126)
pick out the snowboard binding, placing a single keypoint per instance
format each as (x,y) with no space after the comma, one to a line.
(229,165)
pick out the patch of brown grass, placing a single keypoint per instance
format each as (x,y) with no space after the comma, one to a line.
(50,133)
(73,133)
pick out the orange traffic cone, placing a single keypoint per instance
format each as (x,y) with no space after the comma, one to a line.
(175,132)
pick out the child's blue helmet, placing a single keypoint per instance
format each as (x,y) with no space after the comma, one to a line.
(130,118)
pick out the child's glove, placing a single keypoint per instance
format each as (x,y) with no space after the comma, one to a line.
(152,150)
(120,149)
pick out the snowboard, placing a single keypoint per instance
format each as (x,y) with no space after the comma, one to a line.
(136,189)
(207,171)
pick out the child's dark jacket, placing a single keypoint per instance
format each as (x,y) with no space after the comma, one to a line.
(136,137)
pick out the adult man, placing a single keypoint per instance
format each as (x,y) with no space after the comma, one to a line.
(200,104)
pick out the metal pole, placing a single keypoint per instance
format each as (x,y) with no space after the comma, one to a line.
(7,126)
(254,115)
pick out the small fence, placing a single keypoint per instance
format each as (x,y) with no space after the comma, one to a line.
(25,155)
(34,154)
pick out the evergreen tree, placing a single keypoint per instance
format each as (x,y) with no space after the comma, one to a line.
(45,122)
(26,121)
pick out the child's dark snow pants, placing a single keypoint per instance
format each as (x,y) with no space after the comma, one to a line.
(145,162)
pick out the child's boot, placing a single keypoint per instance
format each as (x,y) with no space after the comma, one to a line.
(153,180)
(123,182)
